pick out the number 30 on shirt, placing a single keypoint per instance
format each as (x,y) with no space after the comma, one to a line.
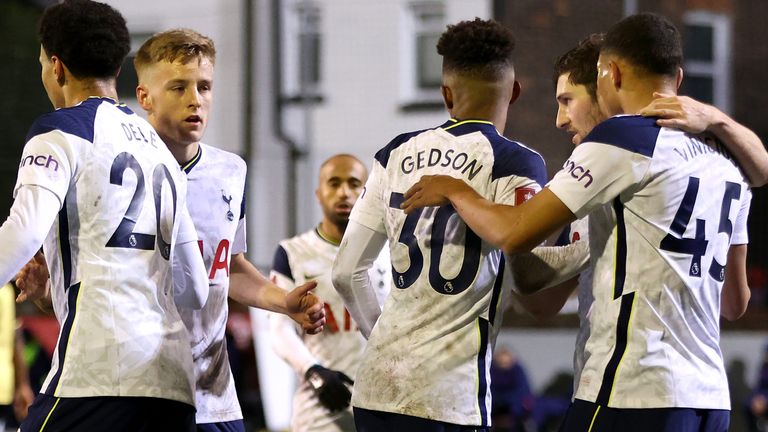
(469,265)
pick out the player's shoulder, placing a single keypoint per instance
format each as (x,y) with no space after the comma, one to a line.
(77,120)
(224,155)
(300,241)
(513,158)
(231,162)
(634,133)
(287,251)
(382,156)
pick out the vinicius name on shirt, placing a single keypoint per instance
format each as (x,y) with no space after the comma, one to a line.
(458,161)
(693,148)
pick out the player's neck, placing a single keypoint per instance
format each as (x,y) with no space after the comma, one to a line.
(330,232)
(183,153)
(642,95)
(495,114)
(77,91)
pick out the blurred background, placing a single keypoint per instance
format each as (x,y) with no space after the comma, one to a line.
(300,80)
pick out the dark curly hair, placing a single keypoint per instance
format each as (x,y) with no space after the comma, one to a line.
(90,38)
(580,63)
(480,48)
(648,41)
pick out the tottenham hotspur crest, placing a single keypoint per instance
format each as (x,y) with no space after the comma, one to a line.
(228,200)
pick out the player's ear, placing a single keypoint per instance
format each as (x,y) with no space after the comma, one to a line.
(447,96)
(679,77)
(516,89)
(142,96)
(58,70)
(615,74)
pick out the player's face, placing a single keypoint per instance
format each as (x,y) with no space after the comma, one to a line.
(48,77)
(341,181)
(177,98)
(577,111)
(607,97)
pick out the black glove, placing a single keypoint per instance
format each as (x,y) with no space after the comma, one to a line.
(330,386)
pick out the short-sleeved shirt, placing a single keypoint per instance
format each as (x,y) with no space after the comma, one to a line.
(664,209)
(429,354)
(110,250)
(301,259)
(578,230)
(216,202)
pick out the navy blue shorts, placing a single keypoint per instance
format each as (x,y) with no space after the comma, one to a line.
(108,414)
(379,421)
(583,416)
(230,426)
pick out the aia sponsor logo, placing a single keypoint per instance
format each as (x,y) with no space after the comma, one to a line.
(220,258)
(45,161)
(523,194)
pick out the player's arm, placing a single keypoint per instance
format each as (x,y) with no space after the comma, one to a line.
(32,214)
(330,386)
(249,287)
(547,303)
(190,280)
(514,229)
(359,249)
(23,394)
(547,276)
(735,294)
(285,339)
(684,113)
(547,266)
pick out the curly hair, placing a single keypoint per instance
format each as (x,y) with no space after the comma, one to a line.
(90,38)
(480,48)
(648,41)
(172,45)
(580,63)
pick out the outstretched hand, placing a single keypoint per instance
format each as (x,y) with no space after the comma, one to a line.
(430,191)
(680,112)
(33,280)
(306,308)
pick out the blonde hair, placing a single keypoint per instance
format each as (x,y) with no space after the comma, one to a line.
(174,45)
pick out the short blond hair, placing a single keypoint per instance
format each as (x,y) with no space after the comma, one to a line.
(174,45)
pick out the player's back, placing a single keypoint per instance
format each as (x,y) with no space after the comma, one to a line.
(109,252)
(660,249)
(429,353)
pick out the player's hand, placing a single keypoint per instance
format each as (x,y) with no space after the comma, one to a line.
(758,405)
(33,280)
(430,191)
(681,112)
(306,308)
(330,386)
(22,399)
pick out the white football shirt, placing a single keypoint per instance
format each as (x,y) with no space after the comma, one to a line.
(430,351)
(664,208)
(298,260)
(109,252)
(216,202)
(578,230)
